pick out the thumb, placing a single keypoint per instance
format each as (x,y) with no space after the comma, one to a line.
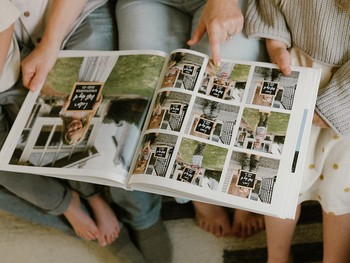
(284,63)
(34,80)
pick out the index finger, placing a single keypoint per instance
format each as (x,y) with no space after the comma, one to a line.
(214,42)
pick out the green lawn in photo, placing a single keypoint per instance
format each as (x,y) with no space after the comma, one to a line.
(213,156)
(277,123)
(135,75)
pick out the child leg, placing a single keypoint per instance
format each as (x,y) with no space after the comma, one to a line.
(279,235)
(336,236)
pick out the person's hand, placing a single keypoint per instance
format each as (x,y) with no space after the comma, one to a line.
(222,19)
(38,64)
(279,55)
(318,121)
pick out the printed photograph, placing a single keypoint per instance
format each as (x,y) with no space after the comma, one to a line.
(270,88)
(155,153)
(212,120)
(226,82)
(262,131)
(183,70)
(199,164)
(169,111)
(252,176)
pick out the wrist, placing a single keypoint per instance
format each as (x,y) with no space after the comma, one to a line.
(48,43)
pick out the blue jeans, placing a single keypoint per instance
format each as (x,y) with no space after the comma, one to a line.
(168,24)
(98,31)
(139,210)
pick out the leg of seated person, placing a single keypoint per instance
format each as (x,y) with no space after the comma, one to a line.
(52,196)
(279,235)
(151,25)
(336,229)
(98,31)
(47,193)
(105,218)
(140,211)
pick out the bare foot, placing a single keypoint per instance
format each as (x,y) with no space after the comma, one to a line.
(106,220)
(81,222)
(246,224)
(212,218)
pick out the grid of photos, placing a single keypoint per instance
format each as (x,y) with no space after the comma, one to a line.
(225,131)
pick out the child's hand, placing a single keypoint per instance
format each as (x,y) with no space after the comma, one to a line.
(318,121)
(279,55)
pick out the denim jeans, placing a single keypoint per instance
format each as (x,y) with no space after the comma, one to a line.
(168,24)
(139,210)
(98,31)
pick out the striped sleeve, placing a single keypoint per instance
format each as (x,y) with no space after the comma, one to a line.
(264,20)
(333,102)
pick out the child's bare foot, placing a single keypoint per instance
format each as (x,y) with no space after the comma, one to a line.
(246,224)
(106,220)
(212,218)
(82,223)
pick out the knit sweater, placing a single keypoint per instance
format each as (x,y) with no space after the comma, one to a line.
(321,30)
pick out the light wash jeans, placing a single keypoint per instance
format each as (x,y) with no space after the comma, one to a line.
(139,210)
(168,24)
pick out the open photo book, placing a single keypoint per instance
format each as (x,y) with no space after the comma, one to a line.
(233,135)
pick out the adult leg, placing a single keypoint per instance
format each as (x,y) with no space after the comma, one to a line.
(279,235)
(140,211)
(336,238)
(151,24)
(106,220)
(98,31)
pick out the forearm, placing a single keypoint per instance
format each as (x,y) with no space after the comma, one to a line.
(62,15)
(264,20)
(333,102)
(5,42)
